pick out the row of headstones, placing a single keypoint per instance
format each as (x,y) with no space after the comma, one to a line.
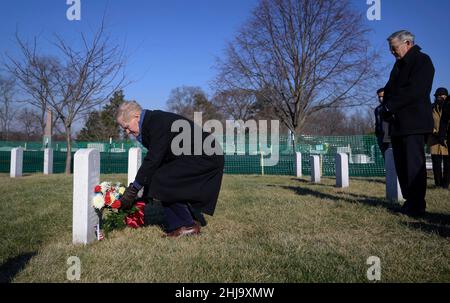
(16,165)
(87,175)
(393,192)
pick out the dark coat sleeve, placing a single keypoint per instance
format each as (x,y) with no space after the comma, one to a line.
(444,124)
(159,138)
(417,88)
(378,122)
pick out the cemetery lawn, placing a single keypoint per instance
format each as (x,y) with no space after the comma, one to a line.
(266,229)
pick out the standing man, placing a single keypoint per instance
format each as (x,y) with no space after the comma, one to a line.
(381,127)
(186,183)
(407,107)
(439,152)
(444,128)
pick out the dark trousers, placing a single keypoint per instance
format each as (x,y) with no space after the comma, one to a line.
(177,215)
(441,177)
(383,146)
(409,158)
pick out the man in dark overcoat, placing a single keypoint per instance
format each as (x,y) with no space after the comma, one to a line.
(408,109)
(186,183)
(381,127)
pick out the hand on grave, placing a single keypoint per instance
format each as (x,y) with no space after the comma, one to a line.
(127,199)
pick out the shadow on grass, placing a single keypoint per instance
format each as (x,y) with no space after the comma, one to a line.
(380,181)
(440,230)
(371,201)
(433,223)
(13,266)
(309,182)
(440,219)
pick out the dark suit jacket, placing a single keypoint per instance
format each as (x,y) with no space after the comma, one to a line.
(177,178)
(444,127)
(407,94)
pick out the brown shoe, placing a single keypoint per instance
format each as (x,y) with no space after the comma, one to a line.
(183,231)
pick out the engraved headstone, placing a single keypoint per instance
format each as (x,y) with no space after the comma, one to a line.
(86,175)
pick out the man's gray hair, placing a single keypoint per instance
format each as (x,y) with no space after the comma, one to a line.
(402,35)
(127,109)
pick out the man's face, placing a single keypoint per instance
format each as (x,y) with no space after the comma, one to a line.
(441,98)
(132,126)
(381,97)
(399,48)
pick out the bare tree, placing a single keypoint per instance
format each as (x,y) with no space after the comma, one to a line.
(302,56)
(32,75)
(186,100)
(7,110)
(30,122)
(339,123)
(236,104)
(72,83)
(361,122)
(336,123)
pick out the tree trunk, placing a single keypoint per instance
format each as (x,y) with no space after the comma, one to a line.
(69,150)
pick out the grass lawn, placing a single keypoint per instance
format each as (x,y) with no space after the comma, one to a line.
(266,229)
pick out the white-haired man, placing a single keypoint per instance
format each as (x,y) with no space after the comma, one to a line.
(408,109)
(186,184)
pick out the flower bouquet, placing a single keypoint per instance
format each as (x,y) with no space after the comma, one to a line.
(106,203)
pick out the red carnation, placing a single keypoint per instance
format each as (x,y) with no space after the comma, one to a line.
(116,204)
(98,189)
(108,198)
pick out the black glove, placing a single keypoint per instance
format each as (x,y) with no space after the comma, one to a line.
(386,115)
(127,199)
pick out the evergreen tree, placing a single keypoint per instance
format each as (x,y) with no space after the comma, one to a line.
(102,125)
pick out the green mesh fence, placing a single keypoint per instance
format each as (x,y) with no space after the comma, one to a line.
(365,159)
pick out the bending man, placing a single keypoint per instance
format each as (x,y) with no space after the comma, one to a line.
(187,184)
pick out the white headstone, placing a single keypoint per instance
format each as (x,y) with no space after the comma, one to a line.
(298,161)
(393,190)
(86,175)
(342,170)
(134,162)
(16,162)
(315,168)
(48,161)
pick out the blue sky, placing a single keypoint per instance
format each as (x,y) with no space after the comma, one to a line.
(175,42)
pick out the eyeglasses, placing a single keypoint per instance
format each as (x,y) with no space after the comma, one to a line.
(395,47)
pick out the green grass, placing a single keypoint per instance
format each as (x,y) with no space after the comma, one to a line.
(266,229)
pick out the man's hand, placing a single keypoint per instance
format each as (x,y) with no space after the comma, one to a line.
(442,142)
(127,199)
(386,115)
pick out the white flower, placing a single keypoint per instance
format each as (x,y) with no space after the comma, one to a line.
(98,202)
(105,187)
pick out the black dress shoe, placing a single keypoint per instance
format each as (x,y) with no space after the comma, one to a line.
(416,213)
(406,207)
